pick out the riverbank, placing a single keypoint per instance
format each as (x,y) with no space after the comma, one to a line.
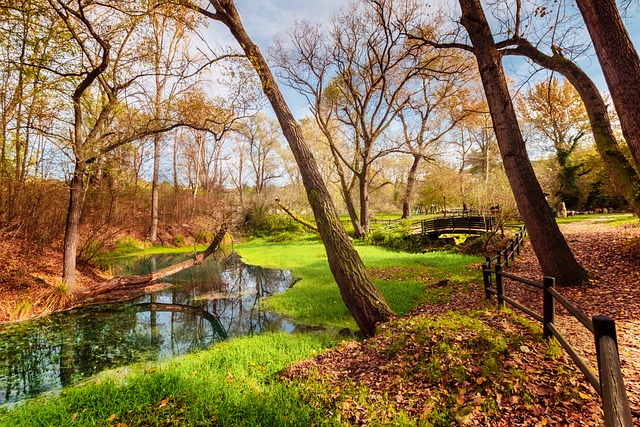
(30,275)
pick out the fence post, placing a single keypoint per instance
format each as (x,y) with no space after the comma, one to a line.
(499,260)
(513,250)
(499,287)
(548,306)
(486,276)
(518,242)
(614,396)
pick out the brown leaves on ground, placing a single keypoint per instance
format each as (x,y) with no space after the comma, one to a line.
(407,368)
(28,278)
(612,256)
(483,369)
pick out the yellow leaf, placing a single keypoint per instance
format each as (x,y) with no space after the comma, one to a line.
(480,380)
(74,416)
(163,403)
(112,417)
(584,396)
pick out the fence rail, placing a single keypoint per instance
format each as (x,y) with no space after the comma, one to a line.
(458,224)
(607,379)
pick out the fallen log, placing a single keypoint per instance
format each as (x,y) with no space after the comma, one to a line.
(121,282)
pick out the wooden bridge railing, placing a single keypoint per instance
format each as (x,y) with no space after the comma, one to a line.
(608,381)
(458,224)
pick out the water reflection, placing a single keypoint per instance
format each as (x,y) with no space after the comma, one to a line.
(207,303)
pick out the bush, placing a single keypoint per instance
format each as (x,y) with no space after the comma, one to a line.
(399,238)
(260,223)
(129,245)
(179,240)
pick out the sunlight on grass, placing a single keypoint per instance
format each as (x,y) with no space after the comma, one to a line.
(235,383)
(610,219)
(315,298)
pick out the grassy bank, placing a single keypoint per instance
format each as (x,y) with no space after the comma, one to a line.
(315,298)
(234,383)
(237,382)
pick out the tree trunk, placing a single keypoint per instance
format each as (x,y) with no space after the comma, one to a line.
(365,208)
(620,64)
(353,215)
(408,191)
(72,229)
(346,187)
(153,229)
(624,176)
(359,293)
(551,248)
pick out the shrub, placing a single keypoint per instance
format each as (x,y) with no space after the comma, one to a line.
(260,223)
(179,240)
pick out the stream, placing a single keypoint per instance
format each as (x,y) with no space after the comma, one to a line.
(206,304)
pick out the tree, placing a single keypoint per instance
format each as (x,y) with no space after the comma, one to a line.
(625,177)
(362,298)
(620,64)
(552,251)
(555,110)
(100,123)
(166,51)
(261,136)
(432,111)
(358,74)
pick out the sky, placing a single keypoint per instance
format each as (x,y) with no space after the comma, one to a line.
(264,20)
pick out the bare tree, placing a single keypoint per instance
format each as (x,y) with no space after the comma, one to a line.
(261,136)
(433,110)
(166,50)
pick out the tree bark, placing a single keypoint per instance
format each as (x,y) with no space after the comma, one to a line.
(620,64)
(408,191)
(365,208)
(72,229)
(153,228)
(359,293)
(552,251)
(624,176)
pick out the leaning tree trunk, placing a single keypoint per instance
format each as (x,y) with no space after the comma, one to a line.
(72,228)
(551,248)
(620,64)
(359,293)
(624,176)
(408,191)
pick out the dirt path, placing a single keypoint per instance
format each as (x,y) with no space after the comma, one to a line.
(612,256)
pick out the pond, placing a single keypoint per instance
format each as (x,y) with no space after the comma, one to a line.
(206,304)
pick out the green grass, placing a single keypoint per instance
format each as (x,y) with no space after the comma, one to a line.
(315,298)
(236,382)
(610,219)
(233,384)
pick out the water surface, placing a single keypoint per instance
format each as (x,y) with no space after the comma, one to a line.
(207,304)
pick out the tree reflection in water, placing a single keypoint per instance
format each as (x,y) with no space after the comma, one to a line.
(207,304)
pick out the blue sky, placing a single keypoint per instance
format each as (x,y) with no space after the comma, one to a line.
(267,19)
